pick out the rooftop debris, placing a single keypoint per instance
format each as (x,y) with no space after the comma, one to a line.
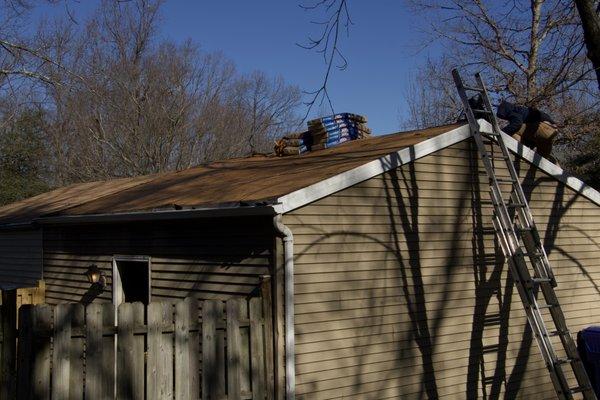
(324,133)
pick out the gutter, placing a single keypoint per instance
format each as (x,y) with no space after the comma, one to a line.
(288,251)
(156,215)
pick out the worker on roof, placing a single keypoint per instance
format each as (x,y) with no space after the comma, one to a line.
(530,126)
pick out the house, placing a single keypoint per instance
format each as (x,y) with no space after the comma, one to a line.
(387,278)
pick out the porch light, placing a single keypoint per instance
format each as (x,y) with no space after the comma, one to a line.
(95,276)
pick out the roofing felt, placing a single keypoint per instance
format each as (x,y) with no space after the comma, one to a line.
(243,180)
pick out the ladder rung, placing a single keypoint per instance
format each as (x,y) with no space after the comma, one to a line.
(547,305)
(482,111)
(525,229)
(538,255)
(567,360)
(578,389)
(541,280)
(559,333)
(505,180)
(514,205)
(490,134)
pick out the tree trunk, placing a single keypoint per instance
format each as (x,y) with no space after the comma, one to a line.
(590,21)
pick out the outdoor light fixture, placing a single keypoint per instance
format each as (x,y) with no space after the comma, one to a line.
(95,276)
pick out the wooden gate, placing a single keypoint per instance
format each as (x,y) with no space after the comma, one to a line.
(11,301)
(189,350)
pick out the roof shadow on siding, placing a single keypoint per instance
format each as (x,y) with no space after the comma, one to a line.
(213,258)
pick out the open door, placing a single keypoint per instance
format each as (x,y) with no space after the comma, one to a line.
(131,279)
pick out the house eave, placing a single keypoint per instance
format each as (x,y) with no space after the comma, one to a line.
(142,216)
(547,166)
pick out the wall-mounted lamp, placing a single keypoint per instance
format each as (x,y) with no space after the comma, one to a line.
(95,276)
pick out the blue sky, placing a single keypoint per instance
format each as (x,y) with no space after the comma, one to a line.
(382,50)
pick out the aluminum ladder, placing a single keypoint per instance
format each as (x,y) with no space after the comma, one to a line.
(520,242)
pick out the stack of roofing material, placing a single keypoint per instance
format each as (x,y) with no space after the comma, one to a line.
(324,133)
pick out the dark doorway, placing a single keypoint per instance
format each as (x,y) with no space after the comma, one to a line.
(133,281)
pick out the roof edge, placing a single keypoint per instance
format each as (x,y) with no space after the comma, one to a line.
(157,215)
(301,197)
(545,165)
(309,194)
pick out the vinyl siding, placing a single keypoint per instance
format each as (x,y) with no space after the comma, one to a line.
(213,259)
(20,258)
(402,293)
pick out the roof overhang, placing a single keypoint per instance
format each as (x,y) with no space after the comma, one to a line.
(158,215)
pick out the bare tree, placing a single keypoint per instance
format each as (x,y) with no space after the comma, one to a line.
(118,101)
(336,22)
(431,97)
(590,22)
(530,50)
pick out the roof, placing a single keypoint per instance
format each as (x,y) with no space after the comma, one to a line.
(247,180)
(284,183)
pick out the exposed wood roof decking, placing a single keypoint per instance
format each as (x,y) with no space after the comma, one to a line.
(252,179)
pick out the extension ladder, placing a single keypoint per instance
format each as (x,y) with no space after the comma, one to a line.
(520,242)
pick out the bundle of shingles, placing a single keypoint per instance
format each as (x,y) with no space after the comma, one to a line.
(324,133)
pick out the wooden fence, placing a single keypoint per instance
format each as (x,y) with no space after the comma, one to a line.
(11,301)
(189,350)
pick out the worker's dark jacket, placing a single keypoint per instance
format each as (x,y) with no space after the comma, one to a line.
(518,115)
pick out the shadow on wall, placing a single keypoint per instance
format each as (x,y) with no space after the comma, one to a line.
(200,258)
(417,365)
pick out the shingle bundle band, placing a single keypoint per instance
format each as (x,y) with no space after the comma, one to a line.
(324,133)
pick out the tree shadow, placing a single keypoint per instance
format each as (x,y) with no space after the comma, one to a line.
(410,269)
(419,322)
(488,286)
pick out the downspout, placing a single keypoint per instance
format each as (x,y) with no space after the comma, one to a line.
(288,253)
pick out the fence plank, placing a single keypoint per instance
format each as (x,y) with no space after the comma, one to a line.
(257,361)
(221,368)
(233,350)
(61,354)
(108,352)
(76,350)
(42,321)
(267,305)
(186,350)
(24,362)
(160,352)
(210,316)
(94,374)
(139,352)
(245,371)
(9,344)
(130,361)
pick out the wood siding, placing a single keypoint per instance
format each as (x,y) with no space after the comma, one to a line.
(207,259)
(20,258)
(402,292)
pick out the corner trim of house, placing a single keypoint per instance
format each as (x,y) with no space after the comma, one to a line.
(548,167)
(369,170)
